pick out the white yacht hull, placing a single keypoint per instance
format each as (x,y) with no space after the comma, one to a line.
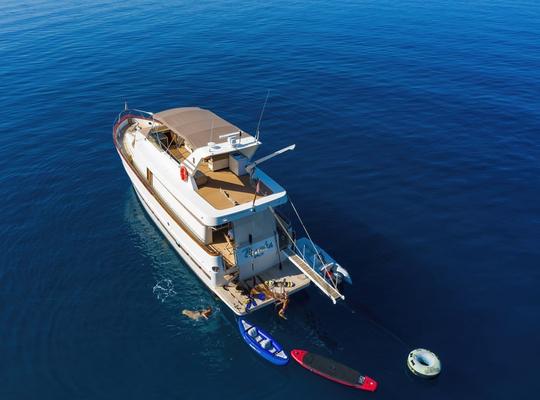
(180,241)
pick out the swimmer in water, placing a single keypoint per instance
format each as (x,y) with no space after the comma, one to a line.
(196,315)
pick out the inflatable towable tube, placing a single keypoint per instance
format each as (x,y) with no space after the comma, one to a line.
(424,363)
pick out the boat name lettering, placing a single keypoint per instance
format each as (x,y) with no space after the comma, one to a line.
(259,251)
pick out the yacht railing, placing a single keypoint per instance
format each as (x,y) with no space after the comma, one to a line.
(126,114)
(147,115)
(132,113)
(309,254)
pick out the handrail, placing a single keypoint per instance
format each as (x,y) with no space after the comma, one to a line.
(135,113)
(295,247)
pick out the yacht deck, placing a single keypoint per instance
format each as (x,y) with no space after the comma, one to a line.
(235,296)
(221,189)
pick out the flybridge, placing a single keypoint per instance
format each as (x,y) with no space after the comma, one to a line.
(234,143)
(197,126)
(205,135)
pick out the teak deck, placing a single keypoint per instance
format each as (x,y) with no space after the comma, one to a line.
(235,299)
(223,189)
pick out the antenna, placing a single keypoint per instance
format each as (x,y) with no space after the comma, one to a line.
(260,117)
(125,105)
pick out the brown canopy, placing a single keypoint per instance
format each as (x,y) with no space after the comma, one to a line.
(197,126)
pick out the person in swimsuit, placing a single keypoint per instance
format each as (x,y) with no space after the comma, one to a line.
(198,314)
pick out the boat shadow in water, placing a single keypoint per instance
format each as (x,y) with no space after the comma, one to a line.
(174,284)
(216,341)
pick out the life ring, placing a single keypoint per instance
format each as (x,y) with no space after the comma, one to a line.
(184,173)
(424,363)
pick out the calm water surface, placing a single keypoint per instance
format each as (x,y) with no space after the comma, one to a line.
(417,167)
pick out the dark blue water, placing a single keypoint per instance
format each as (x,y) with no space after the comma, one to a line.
(417,167)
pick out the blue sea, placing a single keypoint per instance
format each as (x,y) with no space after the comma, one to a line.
(417,167)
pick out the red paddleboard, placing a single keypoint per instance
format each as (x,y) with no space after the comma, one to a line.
(333,370)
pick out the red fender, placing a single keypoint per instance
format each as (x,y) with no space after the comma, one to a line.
(184,173)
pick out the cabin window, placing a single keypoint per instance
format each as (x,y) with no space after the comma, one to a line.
(149,177)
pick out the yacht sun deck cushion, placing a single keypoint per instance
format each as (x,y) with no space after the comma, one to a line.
(196,125)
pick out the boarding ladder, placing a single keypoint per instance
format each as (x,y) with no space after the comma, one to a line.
(313,276)
(300,263)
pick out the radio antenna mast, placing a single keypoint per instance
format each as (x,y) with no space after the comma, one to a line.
(260,117)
